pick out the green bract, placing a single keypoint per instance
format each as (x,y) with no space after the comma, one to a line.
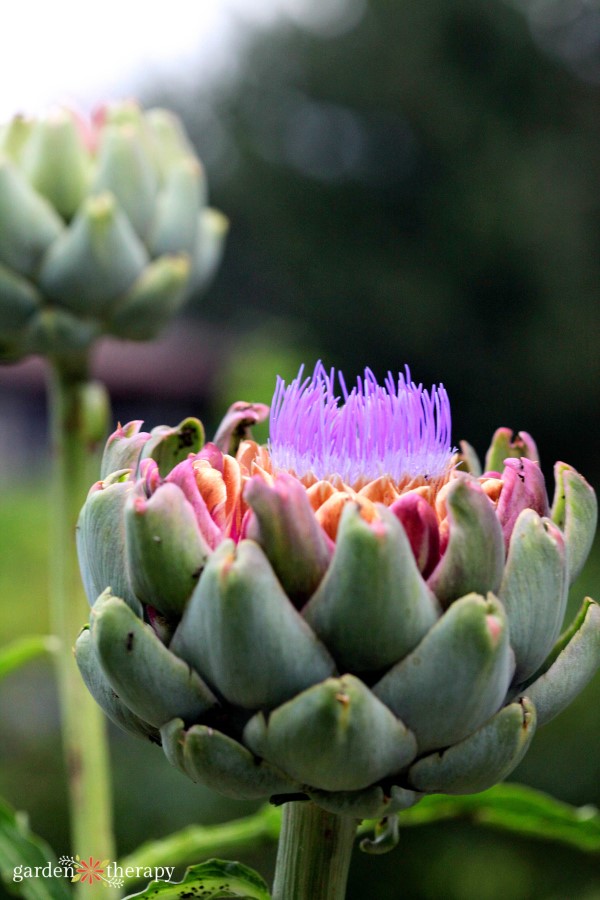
(360,653)
(104,228)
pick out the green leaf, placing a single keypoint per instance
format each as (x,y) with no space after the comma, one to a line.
(21,651)
(508,807)
(19,847)
(216,878)
(515,808)
(197,841)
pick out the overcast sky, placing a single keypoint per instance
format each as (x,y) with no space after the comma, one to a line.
(80,52)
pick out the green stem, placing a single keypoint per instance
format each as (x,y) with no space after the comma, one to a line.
(78,414)
(314,853)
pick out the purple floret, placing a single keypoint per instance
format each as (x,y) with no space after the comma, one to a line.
(397,429)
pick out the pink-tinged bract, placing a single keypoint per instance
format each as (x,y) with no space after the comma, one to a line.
(398,429)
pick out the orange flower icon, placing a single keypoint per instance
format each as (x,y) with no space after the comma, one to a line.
(90,871)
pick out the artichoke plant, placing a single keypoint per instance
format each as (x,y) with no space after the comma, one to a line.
(354,613)
(104,228)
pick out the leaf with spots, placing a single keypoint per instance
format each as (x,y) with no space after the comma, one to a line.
(210,880)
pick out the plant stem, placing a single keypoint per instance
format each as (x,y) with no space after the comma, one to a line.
(78,415)
(314,853)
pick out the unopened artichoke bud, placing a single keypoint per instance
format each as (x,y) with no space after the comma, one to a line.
(104,228)
(343,614)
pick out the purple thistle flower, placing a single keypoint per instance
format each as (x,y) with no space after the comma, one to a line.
(397,429)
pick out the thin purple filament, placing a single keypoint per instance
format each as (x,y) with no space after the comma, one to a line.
(397,429)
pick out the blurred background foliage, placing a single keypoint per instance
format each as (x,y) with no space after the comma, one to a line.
(413,182)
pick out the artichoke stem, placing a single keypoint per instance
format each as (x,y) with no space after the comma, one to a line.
(314,853)
(78,417)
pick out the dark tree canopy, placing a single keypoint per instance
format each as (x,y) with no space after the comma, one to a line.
(422,188)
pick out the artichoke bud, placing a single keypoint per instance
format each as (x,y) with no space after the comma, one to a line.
(165,550)
(505,445)
(106,219)
(341,614)
(575,511)
(171,446)
(242,634)
(372,606)
(285,526)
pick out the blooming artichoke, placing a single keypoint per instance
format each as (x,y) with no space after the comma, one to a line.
(104,228)
(353,613)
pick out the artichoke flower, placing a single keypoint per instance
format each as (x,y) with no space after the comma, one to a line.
(354,613)
(104,228)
